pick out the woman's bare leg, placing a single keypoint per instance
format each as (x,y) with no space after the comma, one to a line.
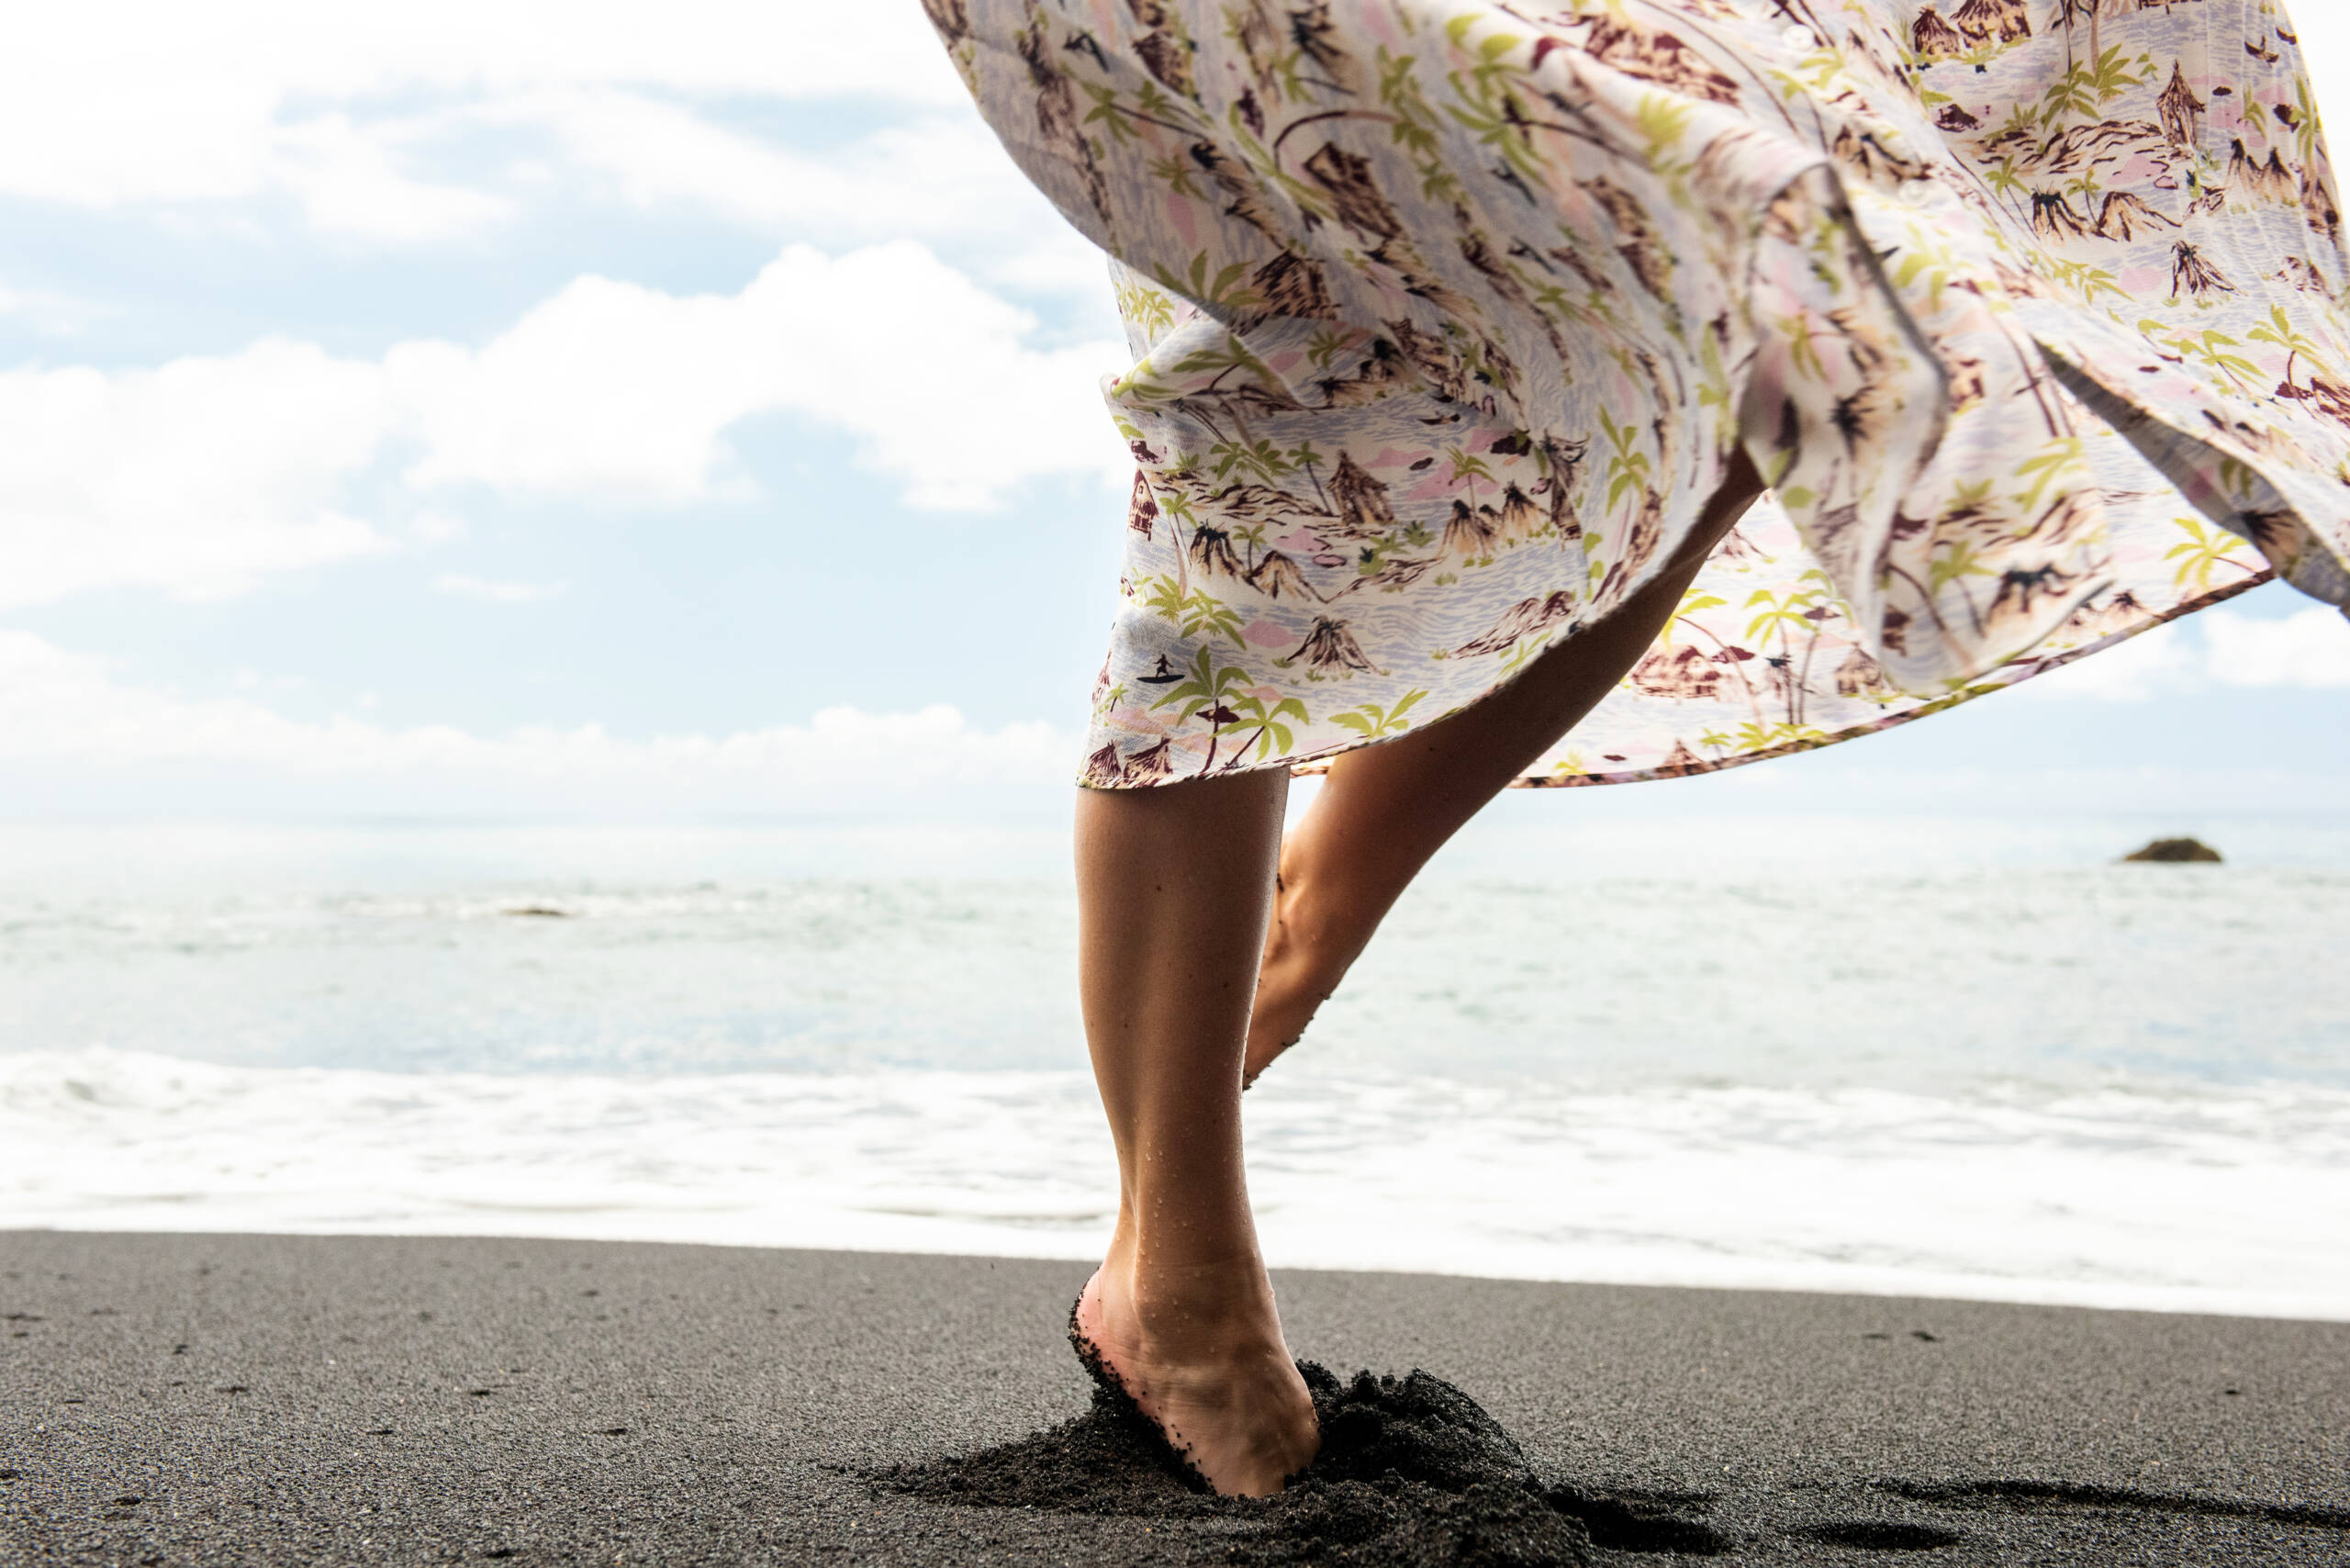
(1175,886)
(1384,810)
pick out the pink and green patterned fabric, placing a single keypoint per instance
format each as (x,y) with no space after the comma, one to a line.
(1449,315)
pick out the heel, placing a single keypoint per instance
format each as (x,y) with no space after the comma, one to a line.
(1110,1392)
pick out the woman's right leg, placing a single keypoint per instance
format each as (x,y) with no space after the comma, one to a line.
(1174,888)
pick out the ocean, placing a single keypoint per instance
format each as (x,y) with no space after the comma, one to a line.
(1971,1059)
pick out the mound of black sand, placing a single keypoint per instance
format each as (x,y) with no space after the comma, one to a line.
(1412,1473)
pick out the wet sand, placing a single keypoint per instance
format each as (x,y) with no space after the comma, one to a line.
(224,1399)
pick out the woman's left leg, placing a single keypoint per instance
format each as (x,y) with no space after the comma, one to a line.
(1174,887)
(1386,810)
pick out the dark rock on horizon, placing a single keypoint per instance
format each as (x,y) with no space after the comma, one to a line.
(2176,852)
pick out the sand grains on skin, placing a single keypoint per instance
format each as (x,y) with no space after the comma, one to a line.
(1277,1448)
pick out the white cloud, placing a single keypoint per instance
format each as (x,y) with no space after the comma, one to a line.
(350,183)
(156,101)
(205,474)
(611,387)
(48,312)
(200,476)
(251,679)
(464,586)
(62,711)
(2307,648)
(911,179)
(937,178)
(341,107)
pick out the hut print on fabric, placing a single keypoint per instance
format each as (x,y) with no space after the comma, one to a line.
(1448,316)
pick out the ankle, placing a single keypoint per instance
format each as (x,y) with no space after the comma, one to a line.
(1191,1308)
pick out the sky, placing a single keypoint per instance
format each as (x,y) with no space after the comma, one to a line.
(503,409)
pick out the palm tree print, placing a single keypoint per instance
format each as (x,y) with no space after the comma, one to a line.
(1374,722)
(1790,613)
(1448,316)
(2280,331)
(2203,552)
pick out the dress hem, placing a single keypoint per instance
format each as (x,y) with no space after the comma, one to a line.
(1979,687)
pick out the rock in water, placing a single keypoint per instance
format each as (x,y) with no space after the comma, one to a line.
(2176,852)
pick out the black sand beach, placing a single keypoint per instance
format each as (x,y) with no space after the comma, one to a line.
(224,1399)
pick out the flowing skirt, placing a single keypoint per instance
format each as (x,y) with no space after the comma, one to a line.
(1449,315)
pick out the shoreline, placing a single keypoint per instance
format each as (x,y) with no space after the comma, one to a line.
(283,1399)
(907,1236)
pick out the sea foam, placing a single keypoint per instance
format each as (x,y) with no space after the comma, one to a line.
(2223,1199)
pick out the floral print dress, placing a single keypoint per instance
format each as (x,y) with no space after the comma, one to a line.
(1449,315)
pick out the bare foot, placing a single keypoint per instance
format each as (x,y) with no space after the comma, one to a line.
(1202,1356)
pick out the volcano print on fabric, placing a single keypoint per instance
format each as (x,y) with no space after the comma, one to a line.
(1447,317)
